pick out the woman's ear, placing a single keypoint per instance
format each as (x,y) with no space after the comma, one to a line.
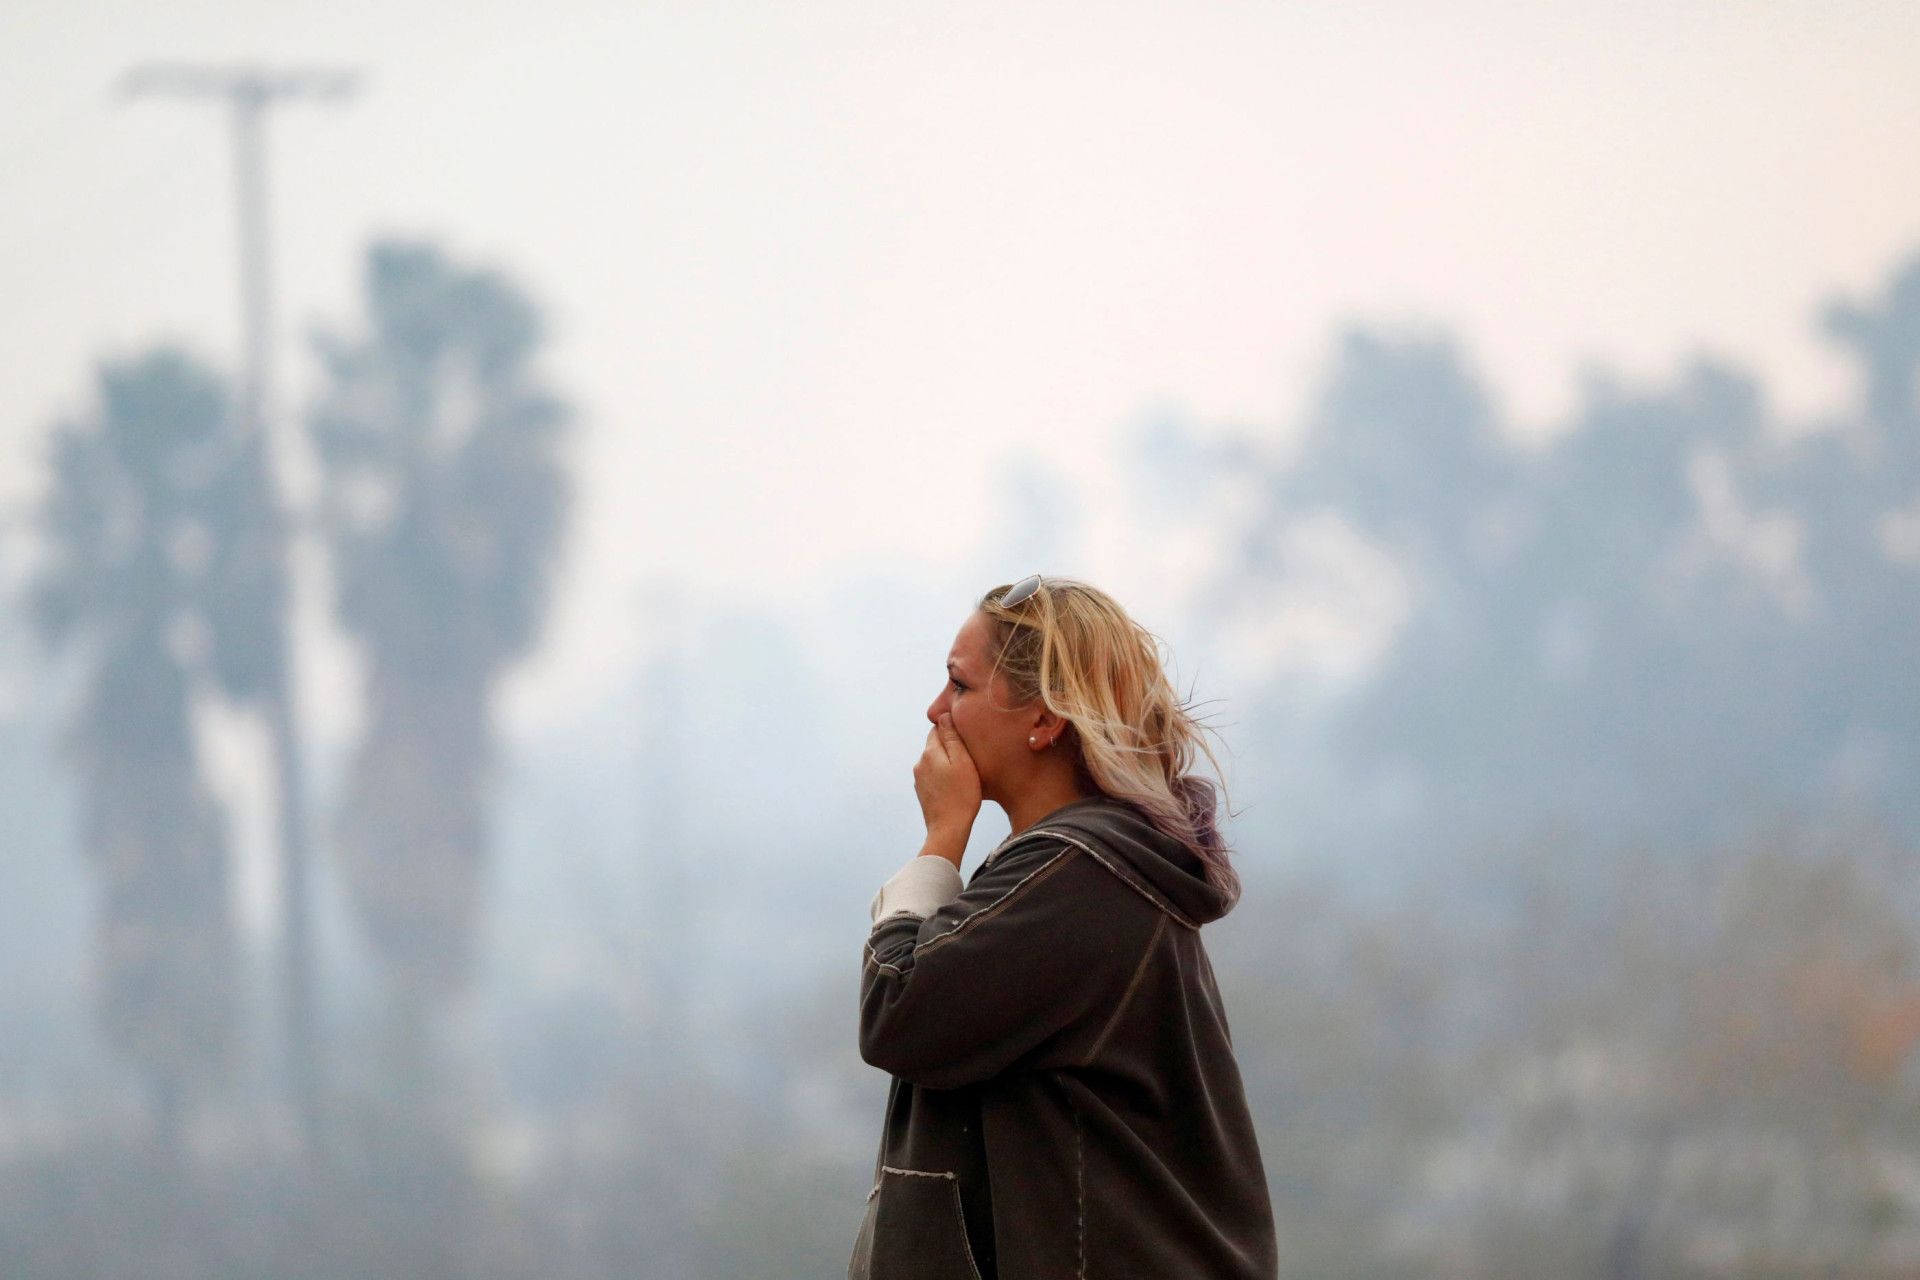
(1048,725)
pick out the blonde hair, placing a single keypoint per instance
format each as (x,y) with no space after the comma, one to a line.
(1135,739)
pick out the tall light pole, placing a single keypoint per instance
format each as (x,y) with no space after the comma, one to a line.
(249,91)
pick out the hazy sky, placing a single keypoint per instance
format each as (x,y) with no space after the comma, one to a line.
(817,271)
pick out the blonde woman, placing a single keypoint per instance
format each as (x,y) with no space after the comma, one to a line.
(1065,1101)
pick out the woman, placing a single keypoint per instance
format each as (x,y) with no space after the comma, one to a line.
(1065,1101)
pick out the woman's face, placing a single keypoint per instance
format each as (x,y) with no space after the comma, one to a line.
(995,731)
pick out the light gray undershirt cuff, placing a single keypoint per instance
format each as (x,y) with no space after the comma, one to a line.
(927,883)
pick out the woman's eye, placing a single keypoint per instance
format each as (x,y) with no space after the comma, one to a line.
(957,686)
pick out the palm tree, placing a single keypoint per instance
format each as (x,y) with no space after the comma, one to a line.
(443,502)
(142,541)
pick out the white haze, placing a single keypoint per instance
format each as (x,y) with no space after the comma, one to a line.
(818,272)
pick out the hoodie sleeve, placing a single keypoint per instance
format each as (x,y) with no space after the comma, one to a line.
(1024,968)
(920,888)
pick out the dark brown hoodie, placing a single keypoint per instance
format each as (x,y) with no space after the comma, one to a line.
(1065,1100)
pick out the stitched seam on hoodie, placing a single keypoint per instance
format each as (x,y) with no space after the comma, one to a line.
(1001,903)
(877,962)
(960,1213)
(1011,842)
(1080,1185)
(1124,878)
(1139,972)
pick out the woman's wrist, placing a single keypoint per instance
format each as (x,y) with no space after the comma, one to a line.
(947,842)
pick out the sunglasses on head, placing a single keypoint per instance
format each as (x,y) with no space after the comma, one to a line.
(1020,592)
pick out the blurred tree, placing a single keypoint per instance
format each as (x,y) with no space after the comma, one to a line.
(1405,442)
(1806,1012)
(1659,624)
(1858,488)
(1886,338)
(443,503)
(147,578)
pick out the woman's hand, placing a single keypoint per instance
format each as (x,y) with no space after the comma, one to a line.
(949,791)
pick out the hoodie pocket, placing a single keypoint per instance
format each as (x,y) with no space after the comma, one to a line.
(914,1229)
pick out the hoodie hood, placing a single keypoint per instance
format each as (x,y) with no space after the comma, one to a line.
(1127,844)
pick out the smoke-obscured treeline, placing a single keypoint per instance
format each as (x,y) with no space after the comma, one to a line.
(1578,798)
